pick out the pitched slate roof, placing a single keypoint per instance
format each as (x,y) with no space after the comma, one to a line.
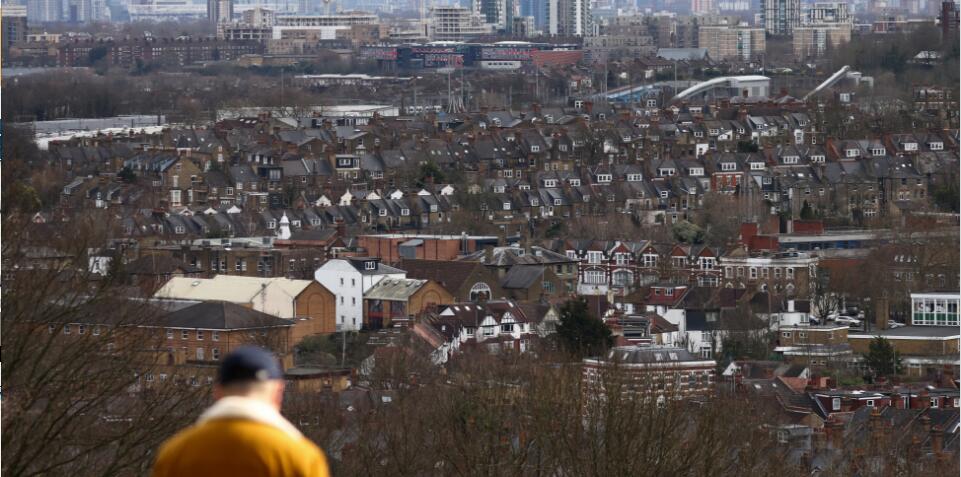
(451,275)
(221,315)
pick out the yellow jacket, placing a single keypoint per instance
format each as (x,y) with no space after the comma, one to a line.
(240,437)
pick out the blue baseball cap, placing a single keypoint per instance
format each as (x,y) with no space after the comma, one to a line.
(249,363)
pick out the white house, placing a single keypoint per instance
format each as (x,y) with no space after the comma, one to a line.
(348,279)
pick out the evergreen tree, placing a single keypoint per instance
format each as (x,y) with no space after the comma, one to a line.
(882,358)
(579,332)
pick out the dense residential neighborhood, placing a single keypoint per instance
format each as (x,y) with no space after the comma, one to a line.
(545,237)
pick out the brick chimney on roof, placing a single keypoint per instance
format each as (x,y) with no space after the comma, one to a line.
(937,440)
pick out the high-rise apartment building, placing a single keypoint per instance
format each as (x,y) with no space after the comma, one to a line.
(827,13)
(825,25)
(42,11)
(569,18)
(496,12)
(455,24)
(780,17)
(14,25)
(732,42)
(220,11)
(703,6)
(814,40)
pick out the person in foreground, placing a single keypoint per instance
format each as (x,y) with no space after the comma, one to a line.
(243,433)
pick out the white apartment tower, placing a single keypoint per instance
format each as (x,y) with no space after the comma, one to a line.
(569,18)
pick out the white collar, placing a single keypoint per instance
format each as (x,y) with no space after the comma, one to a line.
(249,409)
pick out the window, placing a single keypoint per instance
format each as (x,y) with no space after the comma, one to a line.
(96,331)
(200,354)
(752,273)
(649,260)
(184,334)
(215,335)
(785,334)
(200,335)
(594,257)
(170,334)
(789,271)
(836,404)
(507,328)
(728,272)
(935,402)
(488,331)
(215,354)
(869,403)
(594,277)
(66,329)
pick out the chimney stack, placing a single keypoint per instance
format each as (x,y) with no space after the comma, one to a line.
(937,440)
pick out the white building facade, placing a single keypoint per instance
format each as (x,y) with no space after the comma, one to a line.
(348,279)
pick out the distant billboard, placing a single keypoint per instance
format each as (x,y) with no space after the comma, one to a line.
(507,53)
(378,53)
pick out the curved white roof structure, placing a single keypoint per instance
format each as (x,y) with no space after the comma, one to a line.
(837,76)
(714,82)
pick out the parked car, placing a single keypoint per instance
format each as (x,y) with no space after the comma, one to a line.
(847,320)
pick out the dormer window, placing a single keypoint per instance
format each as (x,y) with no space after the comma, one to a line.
(370,265)
(382,212)
(634,177)
(878,151)
(910,146)
(852,153)
(498,189)
(550,182)
(562,147)
(404,212)
(728,166)
(433,207)
(790,159)
(696,172)
(575,182)
(535,202)
(272,224)
(180,229)
(557,201)
(507,206)
(535,149)
(757,166)
(936,146)
(664,194)
(817,159)
(604,178)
